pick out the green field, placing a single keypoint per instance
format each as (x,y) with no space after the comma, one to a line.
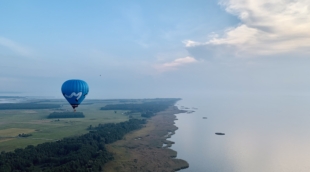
(34,121)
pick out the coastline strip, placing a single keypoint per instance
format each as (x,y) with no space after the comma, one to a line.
(143,150)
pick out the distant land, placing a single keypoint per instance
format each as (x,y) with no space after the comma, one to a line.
(11,97)
(104,123)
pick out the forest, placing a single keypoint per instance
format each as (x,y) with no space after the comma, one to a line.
(147,109)
(66,115)
(11,106)
(82,153)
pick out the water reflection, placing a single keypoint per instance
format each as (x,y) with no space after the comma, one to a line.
(262,134)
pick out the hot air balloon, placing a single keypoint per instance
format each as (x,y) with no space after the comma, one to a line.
(74,91)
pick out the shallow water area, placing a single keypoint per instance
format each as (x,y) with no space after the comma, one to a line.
(262,133)
(12,99)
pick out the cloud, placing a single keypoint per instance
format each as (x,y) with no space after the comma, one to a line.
(21,50)
(175,64)
(266,28)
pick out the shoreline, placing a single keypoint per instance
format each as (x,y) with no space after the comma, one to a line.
(148,149)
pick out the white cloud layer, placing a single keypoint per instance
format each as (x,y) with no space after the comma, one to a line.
(175,64)
(266,28)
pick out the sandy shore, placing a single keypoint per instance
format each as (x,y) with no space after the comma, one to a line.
(143,150)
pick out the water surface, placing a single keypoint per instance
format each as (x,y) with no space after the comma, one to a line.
(262,133)
(11,99)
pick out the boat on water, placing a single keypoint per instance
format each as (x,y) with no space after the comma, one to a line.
(204,118)
(220,133)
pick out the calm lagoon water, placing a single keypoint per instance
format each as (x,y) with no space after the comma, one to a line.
(12,100)
(262,133)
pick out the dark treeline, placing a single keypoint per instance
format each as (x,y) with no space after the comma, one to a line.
(147,109)
(82,153)
(24,135)
(66,115)
(7,106)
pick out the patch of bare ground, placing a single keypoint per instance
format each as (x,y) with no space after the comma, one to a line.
(5,139)
(143,150)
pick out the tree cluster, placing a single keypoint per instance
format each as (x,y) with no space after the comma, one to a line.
(24,135)
(146,109)
(7,106)
(82,153)
(66,115)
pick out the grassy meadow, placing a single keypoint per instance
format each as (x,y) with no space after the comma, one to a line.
(35,122)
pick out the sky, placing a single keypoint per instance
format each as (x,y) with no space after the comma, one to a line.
(150,49)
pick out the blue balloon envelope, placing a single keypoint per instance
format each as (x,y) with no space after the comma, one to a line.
(74,91)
